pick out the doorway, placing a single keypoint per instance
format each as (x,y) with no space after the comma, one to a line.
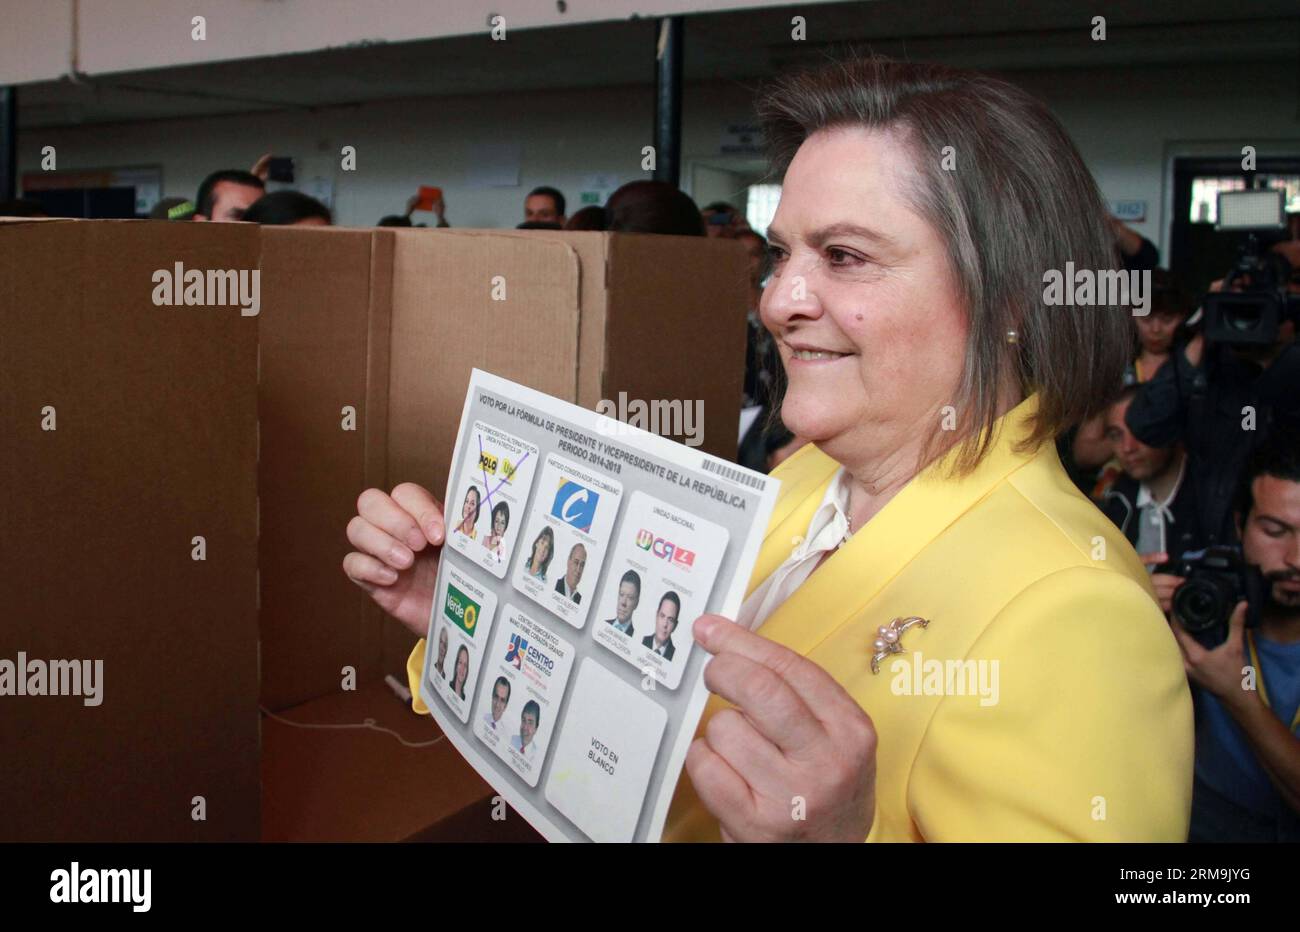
(1198,253)
(744,183)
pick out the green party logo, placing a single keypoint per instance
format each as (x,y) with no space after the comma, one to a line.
(461,609)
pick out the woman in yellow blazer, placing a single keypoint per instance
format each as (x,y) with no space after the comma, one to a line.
(1066,714)
(942,639)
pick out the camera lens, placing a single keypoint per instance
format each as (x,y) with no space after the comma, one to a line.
(1244,317)
(1198,605)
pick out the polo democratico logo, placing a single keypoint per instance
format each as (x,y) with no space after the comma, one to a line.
(461,609)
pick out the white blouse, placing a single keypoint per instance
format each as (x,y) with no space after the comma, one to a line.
(828,530)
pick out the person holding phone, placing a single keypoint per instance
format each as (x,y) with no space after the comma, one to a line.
(429,198)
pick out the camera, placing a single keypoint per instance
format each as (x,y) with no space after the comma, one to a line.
(1217,578)
(1252,314)
(1254,301)
(280,168)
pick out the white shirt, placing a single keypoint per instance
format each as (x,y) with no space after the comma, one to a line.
(1154,517)
(828,530)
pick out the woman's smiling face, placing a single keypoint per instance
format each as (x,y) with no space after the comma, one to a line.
(863,302)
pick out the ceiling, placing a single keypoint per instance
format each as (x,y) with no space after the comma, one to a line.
(1005,35)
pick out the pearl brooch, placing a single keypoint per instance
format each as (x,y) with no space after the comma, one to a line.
(890,638)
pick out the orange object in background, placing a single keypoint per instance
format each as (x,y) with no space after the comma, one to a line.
(428,196)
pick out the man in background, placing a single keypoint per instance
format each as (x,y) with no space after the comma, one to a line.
(1247,689)
(1145,502)
(723,221)
(544,205)
(225,195)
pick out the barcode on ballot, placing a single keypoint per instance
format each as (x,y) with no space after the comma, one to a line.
(735,475)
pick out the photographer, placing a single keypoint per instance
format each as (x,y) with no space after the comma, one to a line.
(1222,397)
(1247,689)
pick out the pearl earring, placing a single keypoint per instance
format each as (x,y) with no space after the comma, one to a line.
(1012,337)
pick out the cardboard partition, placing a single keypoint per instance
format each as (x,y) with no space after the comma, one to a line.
(172,423)
(583,316)
(392,322)
(129,431)
(323,406)
(358,784)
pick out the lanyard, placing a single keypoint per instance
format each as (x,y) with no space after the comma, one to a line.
(1259,679)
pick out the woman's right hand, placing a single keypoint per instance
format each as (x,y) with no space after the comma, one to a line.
(398,539)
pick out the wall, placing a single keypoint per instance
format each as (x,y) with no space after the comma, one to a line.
(1126,122)
(1129,124)
(44,39)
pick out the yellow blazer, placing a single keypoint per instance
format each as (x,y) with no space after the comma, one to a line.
(1090,735)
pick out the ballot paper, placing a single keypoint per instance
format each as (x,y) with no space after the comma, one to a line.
(559,659)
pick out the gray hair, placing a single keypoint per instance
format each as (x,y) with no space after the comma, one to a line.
(1019,203)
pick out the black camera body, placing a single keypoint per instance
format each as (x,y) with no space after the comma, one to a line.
(1254,301)
(1217,578)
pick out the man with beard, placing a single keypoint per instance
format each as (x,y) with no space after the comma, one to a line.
(1247,690)
(1222,400)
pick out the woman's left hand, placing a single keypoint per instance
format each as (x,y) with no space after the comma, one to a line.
(795,759)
